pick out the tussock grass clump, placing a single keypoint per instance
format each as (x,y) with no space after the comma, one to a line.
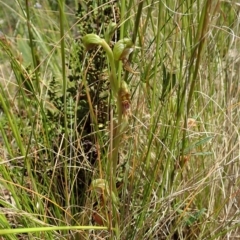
(119,120)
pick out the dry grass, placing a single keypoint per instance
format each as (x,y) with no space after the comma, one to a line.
(178,170)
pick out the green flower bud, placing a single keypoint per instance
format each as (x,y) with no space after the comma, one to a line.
(122,49)
(110,31)
(124,88)
(100,186)
(91,40)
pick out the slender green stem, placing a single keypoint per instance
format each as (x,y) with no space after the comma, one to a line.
(62,20)
(33,47)
(44,229)
(113,78)
(135,32)
(115,84)
(62,17)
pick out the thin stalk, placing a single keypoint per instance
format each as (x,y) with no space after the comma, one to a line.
(45,229)
(33,48)
(115,84)
(135,32)
(155,77)
(123,7)
(62,20)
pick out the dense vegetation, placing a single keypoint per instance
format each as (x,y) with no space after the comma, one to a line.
(119,119)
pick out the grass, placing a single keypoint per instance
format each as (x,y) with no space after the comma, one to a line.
(170,171)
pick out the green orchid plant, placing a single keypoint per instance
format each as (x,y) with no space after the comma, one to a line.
(121,95)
